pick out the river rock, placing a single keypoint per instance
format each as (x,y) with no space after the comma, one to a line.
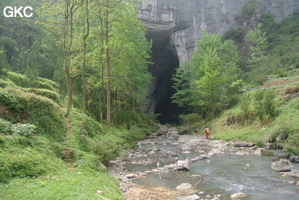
(292,173)
(184,187)
(238,195)
(190,197)
(171,153)
(282,165)
(162,130)
(239,143)
(294,158)
(251,144)
(130,176)
(268,145)
(243,153)
(265,152)
(172,132)
(258,151)
(297,184)
(182,165)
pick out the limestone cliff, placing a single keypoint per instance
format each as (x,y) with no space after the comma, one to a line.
(175,27)
(183,20)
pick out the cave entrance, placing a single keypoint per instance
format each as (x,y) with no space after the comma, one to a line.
(169,112)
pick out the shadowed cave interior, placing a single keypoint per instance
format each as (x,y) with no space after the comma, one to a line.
(165,64)
(169,111)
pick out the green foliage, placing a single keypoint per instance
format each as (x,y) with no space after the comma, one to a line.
(185,95)
(23,156)
(215,68)
(236,34)
(281,73)
(8,128)
(194,121)
(258,46)
(37,110)
(248,10)
(245,106)
(64,184)
(292,143)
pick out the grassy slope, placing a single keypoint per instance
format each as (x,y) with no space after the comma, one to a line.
(58,162)
(283,59)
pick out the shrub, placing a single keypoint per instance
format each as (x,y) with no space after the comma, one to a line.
(37,110)
(17,129)
(281,73)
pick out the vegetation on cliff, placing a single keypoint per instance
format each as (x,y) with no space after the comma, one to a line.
(264,107)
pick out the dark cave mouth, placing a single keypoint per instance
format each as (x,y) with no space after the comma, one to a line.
(169,112)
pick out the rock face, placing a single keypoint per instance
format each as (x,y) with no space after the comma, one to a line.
(182,21)
(238,195)
(175,27)
(282,165)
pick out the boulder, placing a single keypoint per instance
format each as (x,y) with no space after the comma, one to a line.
(162,130)
(282,165)
(239,143)
(258,151)
(294,158)
(251,144)
(171,153)
(292,173)
(184,187)
(182,165)
(130,176)
(265,152)
(238,195)
(172,132)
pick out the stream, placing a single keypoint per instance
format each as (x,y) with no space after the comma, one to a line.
(219,171)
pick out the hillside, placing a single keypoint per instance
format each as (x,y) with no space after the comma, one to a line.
(267,110)
(40,147)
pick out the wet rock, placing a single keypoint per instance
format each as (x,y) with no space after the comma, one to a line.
(184,187)
(130,176)
(291,182)
(197,175)
(294,158)
(282,165)
(208,196)
(292,173)
(190,197)
(238,195)
(215,152)
(265,152)
(239,143)
(258,151)
(172,132)
(171,153)
(162,130)
(182,165)
(297,184)
(251,144)
(268,145)
(243,153)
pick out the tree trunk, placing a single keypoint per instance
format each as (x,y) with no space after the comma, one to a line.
(108,69)
(84,60)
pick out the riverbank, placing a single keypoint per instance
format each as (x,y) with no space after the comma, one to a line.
(175,166)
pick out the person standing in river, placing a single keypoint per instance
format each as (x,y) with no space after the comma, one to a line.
(207,132)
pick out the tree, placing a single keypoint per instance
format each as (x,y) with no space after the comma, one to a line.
(214,68)
(258,46)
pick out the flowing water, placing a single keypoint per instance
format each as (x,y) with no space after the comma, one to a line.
(219,174)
